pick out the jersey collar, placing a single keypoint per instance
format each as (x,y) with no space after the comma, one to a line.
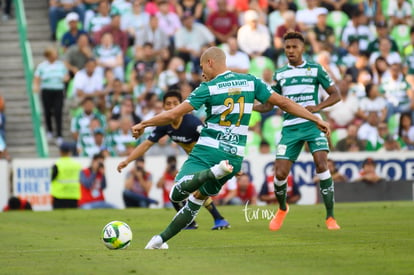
(299,66)
(223,73)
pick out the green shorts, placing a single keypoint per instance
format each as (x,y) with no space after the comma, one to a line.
(293,138)
(203,158)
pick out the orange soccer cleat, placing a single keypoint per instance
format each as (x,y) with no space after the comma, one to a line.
(277,221)
(331,224)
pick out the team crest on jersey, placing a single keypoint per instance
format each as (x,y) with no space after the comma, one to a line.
(308,72)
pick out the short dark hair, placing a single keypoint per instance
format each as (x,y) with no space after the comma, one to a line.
(86,99)
(148,44)
(171,158)
(293,35)
(91,59)
(172,93)
(98,156)
(369,161)
(368,89)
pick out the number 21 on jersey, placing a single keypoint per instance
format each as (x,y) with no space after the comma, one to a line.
(230,104)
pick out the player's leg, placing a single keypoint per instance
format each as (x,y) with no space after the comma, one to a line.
(47,111)
(288,151)
(181,220)
(189,183)
(178,206)
(282,169)
(219,221)
(326,187)
(186,185)
(58,112)
(319,147)
(185,216)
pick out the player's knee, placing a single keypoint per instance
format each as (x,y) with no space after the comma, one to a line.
(281,174)
(177,194)
(197,194)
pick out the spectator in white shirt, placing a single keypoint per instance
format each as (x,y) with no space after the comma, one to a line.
(384,50)
(308,17)
(190,39)
(169,21)
(368,132)
(253,38)
(397,91)
(373,102)
(399,12)
(343,113)
(134,23)
(236,61)
(89,82)
(356,29)
(152,33)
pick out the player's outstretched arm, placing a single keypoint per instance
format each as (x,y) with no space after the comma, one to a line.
(162,119)
(295,109)
(139,151)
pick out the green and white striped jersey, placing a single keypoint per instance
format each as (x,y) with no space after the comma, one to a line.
(228,99)
(301,84)
(107,54)
(51,75)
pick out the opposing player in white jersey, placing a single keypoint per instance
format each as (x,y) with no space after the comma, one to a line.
(219,152)
(299,81)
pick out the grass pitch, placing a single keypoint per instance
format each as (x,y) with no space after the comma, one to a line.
(376,238)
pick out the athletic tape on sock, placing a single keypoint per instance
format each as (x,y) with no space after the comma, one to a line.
(324,175)
(195,200)
(279,182)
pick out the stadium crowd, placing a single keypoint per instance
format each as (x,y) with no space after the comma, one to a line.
(120,57)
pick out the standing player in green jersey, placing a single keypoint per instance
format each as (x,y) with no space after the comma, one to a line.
(219,152)
(299,81)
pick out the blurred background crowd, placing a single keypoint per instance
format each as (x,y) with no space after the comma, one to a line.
(112,61)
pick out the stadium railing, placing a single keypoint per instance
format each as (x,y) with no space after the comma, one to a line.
(38,130)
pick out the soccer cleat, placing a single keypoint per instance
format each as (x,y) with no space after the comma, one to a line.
(331,224)
(220,224)
(277,221)
(156,243)
(192,225)
(222,169)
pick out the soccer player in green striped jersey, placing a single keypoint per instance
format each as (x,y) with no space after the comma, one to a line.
(218,153)
(299,81)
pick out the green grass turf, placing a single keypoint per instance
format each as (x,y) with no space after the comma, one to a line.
(376,238)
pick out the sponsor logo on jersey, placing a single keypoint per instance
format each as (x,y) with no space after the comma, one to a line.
(307,80)
(228,137)
(301,98)
(233,83)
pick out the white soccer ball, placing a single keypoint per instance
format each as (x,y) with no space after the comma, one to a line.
(116,235)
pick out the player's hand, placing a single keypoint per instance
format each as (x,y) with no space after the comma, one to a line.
(137,130)
(122,165)
(324,127)
(312,109)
